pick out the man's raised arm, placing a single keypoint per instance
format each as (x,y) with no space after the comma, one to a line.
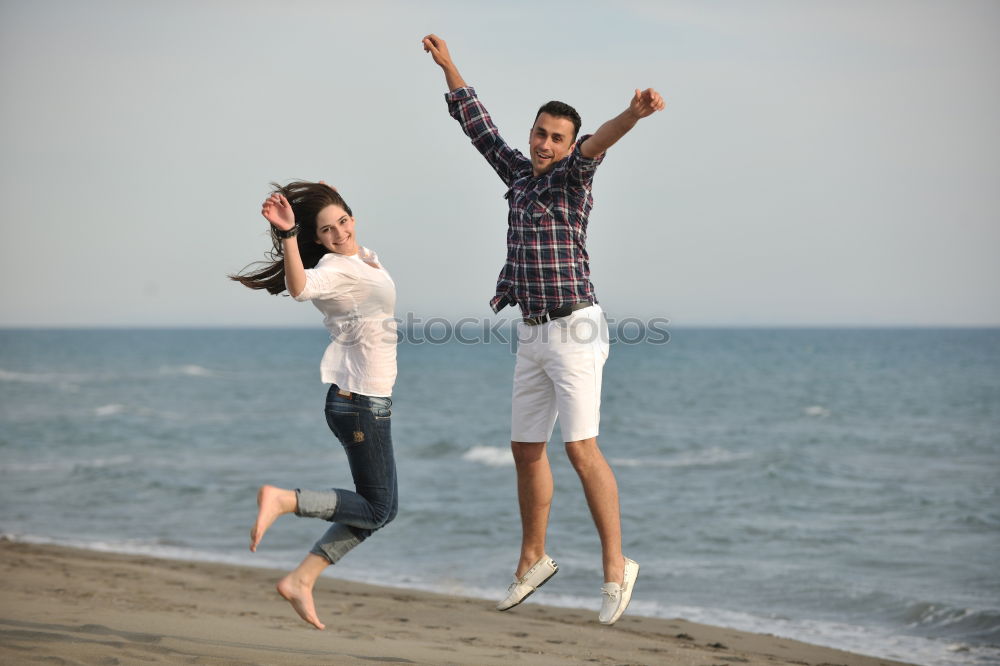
(644,103)
(439,51)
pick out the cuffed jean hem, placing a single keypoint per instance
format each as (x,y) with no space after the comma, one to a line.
(337,542)
(316,504)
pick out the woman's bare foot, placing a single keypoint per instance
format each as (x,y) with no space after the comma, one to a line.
(271,503)
(298,593)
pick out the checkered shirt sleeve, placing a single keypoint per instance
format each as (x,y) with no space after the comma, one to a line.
(547,264)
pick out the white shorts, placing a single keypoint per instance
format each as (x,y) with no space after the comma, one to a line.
(558,375)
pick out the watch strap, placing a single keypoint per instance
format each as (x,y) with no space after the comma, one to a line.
(289,233)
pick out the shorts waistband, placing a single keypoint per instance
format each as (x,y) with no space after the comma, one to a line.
(556,313)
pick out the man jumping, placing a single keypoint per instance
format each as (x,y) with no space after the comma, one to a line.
(563,335)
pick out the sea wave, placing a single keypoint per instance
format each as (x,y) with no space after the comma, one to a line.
(705,457)
(160,548)
(491,456)
(30,377)
(816,410)
(188,370)
(500,456)
(871,639)
(109,410)
(64,465)
(64,380)
(944,621)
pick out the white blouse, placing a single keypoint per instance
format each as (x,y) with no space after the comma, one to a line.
(357,301)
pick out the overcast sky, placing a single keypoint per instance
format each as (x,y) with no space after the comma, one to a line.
(818,163)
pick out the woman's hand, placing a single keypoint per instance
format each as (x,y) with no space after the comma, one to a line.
(278,212)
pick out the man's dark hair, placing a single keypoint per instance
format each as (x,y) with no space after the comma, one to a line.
(562,110)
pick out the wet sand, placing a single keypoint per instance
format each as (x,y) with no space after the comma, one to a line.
(67,606)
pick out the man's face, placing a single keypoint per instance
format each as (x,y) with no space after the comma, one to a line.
(551,140)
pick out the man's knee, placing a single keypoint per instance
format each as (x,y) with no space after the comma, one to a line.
(584,453)
(527,453)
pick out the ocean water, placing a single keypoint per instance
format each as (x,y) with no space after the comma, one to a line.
(835,486)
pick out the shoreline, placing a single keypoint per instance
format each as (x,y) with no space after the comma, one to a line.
(89,607)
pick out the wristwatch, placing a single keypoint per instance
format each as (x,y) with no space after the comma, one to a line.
(291,233)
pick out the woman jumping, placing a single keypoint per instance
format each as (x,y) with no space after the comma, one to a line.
(317,258)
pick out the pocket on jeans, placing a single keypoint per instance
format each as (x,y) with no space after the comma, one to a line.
(380,407)
(346,426)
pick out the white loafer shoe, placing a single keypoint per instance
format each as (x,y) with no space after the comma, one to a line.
(534,578)
(615,597)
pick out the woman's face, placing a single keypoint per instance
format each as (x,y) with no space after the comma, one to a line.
(335,230)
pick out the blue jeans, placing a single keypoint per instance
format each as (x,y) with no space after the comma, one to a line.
(362,424)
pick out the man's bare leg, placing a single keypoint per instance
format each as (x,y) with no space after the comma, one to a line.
(297,588)
(271,503)
(601,490)
(534,495)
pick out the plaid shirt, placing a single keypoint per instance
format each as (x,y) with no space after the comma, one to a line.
(547,262)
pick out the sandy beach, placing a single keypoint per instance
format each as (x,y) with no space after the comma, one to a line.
(66,606)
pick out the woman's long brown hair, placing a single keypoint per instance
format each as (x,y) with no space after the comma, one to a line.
(307,200)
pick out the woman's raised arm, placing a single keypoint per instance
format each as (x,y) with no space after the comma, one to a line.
(279,213)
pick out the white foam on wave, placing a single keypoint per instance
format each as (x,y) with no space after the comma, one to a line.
(868,640)
(30,377)
(492,456)
(702,458)
(189,370)
(149,547)
(109,410)
(65,381)
(816,410)
(63,465)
